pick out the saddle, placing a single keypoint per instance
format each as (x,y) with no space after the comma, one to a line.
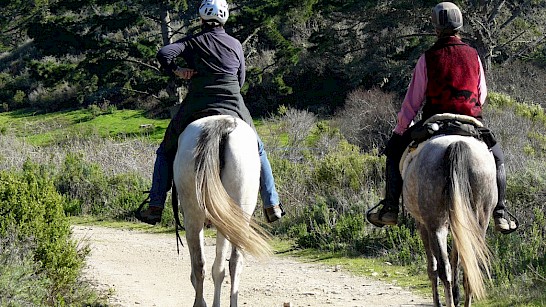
(446,124)
(452,124)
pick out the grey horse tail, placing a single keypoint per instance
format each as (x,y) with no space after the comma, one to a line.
(469,240)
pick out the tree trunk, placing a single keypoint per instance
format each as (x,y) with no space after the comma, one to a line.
(166,32)
(167,36)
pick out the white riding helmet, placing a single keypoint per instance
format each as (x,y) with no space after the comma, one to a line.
(447,16)
(214,10)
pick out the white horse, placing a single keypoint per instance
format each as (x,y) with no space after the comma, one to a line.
(217,175)
(450,186)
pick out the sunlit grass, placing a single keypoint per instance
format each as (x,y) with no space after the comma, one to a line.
(44,129)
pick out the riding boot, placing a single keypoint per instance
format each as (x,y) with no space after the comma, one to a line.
(388,213)
(161,184)
(503,224)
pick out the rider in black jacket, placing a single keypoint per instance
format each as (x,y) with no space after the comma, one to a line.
(216,67)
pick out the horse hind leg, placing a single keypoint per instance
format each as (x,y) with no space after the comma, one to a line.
(219,267)
(432,266)
(439,245)
(468,292)
(455,266)
(235,269)
(195,241)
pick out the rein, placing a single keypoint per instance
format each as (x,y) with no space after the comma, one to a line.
(177,225)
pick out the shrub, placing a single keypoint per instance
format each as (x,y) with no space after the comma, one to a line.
(30,205)
(368,118)
(90,191)
(508,79)
(327,229)
(22,282)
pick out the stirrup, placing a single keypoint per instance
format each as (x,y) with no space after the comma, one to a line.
(510,228)
(376,218)
(138,212)
(274,213)
(144,202)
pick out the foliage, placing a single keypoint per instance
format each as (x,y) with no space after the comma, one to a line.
(368,118)
(507,79)
(32,209)
(21,281)
(327,229)
(505,31)
(304,54)
(91,192)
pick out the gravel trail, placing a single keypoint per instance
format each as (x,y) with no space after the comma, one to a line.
(143,269)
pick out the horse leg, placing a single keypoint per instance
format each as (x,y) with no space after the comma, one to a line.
(439,245)
(431,265)
(235,270)
(219,267)
(195,241)
(468,293)
(455,266)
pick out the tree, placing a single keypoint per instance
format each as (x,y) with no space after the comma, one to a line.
(503,31)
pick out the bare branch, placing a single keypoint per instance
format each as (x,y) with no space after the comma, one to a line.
(140,63)
(250,36)
(140,92)
(525,49)
(495,11)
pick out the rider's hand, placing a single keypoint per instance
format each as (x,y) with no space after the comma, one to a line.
(184,73)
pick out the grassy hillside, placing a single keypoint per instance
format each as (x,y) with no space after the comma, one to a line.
(46,129)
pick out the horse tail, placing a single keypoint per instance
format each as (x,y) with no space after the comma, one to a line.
(221,209)
(468,236)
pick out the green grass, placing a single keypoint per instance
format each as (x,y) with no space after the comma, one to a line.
(44,129)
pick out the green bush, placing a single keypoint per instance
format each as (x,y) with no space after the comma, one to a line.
(91,192)
(31,207)
(22,282)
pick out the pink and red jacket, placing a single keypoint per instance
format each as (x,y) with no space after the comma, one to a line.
(448,78)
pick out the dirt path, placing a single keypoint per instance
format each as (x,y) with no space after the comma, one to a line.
(144,269)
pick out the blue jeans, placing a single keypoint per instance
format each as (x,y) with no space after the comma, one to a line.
(163,176)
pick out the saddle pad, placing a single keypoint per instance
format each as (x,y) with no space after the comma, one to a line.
(461,118)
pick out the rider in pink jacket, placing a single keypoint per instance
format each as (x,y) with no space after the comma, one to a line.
(448,78)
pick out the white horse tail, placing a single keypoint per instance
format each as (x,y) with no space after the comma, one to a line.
(468,236)
(224,213)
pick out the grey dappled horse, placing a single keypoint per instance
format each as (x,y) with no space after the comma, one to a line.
(450,186)
(217,175)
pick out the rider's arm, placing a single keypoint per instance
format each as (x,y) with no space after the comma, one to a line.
(167,55)
(241,73)
(415,97)
(482,87)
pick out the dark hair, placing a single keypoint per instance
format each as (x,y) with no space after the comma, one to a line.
(446,32)
(209,24)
